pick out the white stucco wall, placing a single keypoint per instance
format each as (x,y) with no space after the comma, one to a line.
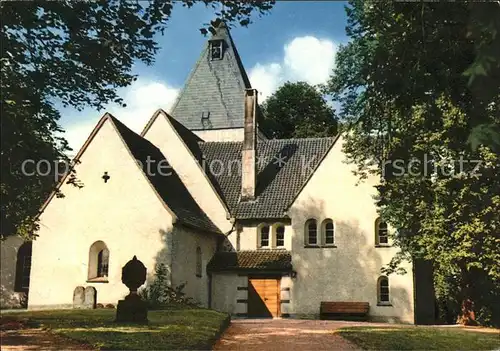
(225,293)
(347,272)
(235,134)
(350,271)
(8,256)
(247,237)
(285,295)
(184,244)
(163,136)
(125,213)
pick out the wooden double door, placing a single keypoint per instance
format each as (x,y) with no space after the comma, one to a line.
(264,297)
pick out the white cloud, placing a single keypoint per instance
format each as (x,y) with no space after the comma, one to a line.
(143,98)
(305,58)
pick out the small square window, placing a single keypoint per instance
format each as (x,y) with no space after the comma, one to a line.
(216,49)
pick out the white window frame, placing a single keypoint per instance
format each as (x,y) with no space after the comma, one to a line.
(259,236)
(378,222)
(379,292)
(275,235)
(323,232)
(307,231)
(216,44)
(93,264)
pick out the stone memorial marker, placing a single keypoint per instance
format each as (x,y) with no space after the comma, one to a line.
(132,308)
(90,298)
(78,297)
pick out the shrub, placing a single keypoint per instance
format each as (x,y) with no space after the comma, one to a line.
(159,294)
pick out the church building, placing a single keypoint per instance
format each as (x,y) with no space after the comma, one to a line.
(252,226)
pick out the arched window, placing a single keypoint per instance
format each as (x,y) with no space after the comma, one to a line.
(280,236)
(23,267)
(311,232)
(329,232)
(383,290)
(98,261)
(199,264)
(381,233)
(264,236)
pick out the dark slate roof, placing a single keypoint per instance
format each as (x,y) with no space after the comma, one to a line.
(169,186)
(283,168)
(215,86)
(263,260)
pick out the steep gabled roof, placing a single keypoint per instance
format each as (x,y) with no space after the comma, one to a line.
(283,168)
(191,141)
(277,187)
(216,87)
(167,183)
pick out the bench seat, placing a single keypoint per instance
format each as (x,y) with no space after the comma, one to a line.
(344,310)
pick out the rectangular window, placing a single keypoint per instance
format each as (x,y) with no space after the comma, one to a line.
(329,239)
(264,236)
(383,289)
(280,236)
(216,50)
(25,280)
(383,238)
(312,232)
(329,233)
(384,294)
(313,238)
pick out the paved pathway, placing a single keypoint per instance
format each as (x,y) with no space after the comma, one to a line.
(285,334)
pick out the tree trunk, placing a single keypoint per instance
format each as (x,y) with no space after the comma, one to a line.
(467,315)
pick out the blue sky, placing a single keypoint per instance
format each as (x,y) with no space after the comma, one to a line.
(297,40)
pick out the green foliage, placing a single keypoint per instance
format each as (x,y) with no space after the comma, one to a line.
(298,110)
(484,29)
(485,134)
(76,54)
(160,294)
(401,85)
(486,295)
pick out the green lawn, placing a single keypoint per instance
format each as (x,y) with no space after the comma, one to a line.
(168,329)
(420,338)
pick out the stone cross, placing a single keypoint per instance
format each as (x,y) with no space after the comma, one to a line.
(106,177)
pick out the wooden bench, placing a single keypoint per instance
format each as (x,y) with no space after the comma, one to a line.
(344,310)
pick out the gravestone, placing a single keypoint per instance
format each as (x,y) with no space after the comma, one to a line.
(78,297)
(90,298)
(132,309)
